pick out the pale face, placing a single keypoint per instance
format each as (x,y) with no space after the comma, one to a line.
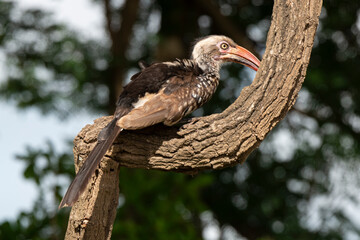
(211,46)
(214,50)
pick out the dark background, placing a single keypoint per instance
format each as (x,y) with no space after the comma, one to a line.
(303,181)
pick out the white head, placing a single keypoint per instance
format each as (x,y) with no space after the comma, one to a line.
(210,52)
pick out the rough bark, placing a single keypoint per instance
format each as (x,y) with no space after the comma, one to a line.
(212,142)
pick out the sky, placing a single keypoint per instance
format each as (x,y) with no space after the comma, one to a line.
(35,128)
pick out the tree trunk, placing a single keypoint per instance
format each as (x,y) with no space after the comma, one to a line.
(213,142)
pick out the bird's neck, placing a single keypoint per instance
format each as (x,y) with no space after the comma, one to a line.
(208,65)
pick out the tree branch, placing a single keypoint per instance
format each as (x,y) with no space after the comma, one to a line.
(212,142)
(120,39)
(108,18)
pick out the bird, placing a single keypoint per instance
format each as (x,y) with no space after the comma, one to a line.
(163,92)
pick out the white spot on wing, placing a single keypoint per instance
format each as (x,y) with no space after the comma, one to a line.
(142,100)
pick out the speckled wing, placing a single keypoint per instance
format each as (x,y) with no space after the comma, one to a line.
(169,105)
(161,92)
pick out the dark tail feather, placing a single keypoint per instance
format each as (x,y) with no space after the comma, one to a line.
(105,139)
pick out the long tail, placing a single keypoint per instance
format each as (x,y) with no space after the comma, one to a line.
(105,139)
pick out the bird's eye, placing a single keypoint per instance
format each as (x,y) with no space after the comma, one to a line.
(224,46)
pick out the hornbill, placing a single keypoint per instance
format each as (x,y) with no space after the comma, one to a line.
(163,92)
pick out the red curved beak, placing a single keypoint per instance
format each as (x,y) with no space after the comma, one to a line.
(241,55)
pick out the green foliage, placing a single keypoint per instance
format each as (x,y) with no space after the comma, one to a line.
(45,167)
(49,65)
(172,211)
(42,162)
(271,196)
